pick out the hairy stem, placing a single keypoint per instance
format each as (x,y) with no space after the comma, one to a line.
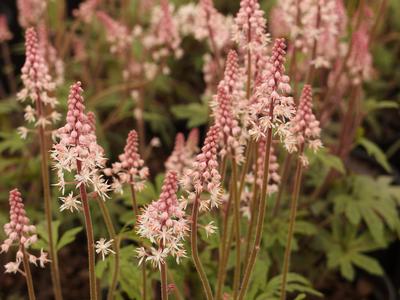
(260,216)
(44,165)
(164,281)
(282,184)
(292,222)
(195,253)
(89,236)
(28,274)
(134,202)
(236,280)
(223,249)
(116,247)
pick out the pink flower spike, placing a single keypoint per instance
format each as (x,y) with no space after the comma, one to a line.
(117,34)
(204,175)
(19,232)
(271,108)
(163,222)
(35,74)
(305,127)
(249,29)
(86,10)
(78,142)
(130,169)
(30,12)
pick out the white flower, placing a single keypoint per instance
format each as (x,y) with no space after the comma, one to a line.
(158,257)
(210,228)
(12,267)
(42,258)
(23,132)
(70,203)
(103,247)
(141,254)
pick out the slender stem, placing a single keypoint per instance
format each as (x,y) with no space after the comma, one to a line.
(144,282)
(116,247)
(292,221)
(243,174)
(89,236)
(164,280)
(261,215)
(44,164)
(136,213)
(195,253)
(28,275)
(134,202)
(254,206)
(236,280)
(177,293)
(9,69)
(282,184)
(114,280)
(224,248)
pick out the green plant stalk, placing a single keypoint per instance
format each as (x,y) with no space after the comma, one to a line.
(282,184)
(260,216)
(44,165)
(292,222)
(134,202)
(164,282)
(224,248)
(89,236)
(236,277)
(28,274)
(136,213)
(254,206)
(195,253)
(144,282)
(248,157)
(116,247)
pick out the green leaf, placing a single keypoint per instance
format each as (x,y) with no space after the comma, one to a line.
(367,263)
(374,151)
(352,212)
(195,113)
(330,161)
(68,237)
(347,270)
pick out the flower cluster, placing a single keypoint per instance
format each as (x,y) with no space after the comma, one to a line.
(271,108)
(229,125)
(163,222)
(117,34)
(204,175)
(38,84)
(130,169)
(86,10)
(5,34)
(310,22)
(21,233)
(56,65)
(182,157)
(249,29)
(77,149)
(305,127)
(163,37)
(360,58)
(30,12)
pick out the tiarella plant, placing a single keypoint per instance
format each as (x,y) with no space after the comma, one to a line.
(240,151)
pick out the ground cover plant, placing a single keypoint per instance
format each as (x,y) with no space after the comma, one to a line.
(168,149)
